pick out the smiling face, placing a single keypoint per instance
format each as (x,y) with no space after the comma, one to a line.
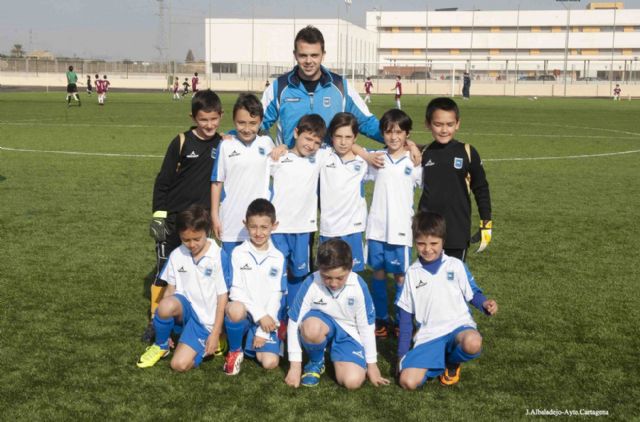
(247,126)
(429,247)
(443,126)
(307,143)
(334,278)
(207,123)
(343,139)
(395,138)
(260,228)
(309,58)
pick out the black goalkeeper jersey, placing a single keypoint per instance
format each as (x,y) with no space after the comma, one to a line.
(444,190)
(178,187)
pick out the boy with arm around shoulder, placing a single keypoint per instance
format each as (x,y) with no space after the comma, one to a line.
(257,288)
(451,171)
(436,291)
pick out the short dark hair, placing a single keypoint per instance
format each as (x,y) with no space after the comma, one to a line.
(105,76)
(343,119)
(196,74)
(441,103)
(70,68)
(196,218)
(261,207)
(334,253)
(393,117)
(313,123)
(429,224)
(311,35)
(250,103)
(207,101)
(97,76)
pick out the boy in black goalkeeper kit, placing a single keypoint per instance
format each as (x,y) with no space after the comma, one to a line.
(183,181)
(451,170)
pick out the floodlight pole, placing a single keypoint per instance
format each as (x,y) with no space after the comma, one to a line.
(566,43)
(346,42)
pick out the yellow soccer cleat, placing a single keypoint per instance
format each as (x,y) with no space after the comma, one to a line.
(223,346)
(151,356)
(451,376)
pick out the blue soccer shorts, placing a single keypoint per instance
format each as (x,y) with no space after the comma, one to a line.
(357,249)
(273,344)
(343,347)
(393,259)
(194,334)
(295,248)
(432,354)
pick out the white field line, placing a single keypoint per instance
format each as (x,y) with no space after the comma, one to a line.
(94,154)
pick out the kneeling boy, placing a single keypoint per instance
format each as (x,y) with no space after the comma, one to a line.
(258,284)
(436,291)
(195,297)
(333,308)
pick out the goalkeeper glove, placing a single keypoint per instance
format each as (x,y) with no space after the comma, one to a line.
(158,226)
(483,235)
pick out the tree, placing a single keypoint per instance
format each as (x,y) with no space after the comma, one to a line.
(17,51)
(190,58)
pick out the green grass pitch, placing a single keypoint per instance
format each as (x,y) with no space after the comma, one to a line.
(76,255)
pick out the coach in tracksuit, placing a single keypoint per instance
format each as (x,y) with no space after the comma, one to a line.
(310,88)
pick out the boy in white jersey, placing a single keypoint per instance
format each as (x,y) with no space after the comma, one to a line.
(257,288)
(295,197)
(389,224)
(333,309)
(195,298)
(437,289)
(240,173)
(343,208)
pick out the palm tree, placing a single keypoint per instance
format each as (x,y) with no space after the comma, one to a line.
(17,51)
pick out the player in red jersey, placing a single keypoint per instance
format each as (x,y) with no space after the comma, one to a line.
(367,90)
(194,83)
(398,90)
(100,89)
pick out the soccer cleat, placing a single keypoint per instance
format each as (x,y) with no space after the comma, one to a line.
(311,374)
(232,362)
(223,346)
(149,334)
(282,329)
(151,356)
(381,328)
(451,376)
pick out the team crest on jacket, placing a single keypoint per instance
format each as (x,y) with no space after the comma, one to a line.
(351,301)
(407,171)
(261,151)
(450,275)
(214,153)
(273,272)
(326,101)
(208,272)
(457,163)
(357,167)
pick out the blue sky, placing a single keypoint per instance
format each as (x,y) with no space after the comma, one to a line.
(119,29)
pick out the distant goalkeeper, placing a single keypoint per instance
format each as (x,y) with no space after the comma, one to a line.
(451,170)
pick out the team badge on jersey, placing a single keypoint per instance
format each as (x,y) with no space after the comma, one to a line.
(351,301)
(273,272)
(208,272)
(357,167)
(326,101)
(214,153)
(450,275)
(261,151)
(312,159)
(457,163)
(407,171)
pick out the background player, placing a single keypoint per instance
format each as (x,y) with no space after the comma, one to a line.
(72,87)
(616,92)
(100,89)
(195,298)
(368,85)
(185,87)
(451,170)
(183,181)
(333,309)
(194,83)
(389,222)
(89,85)
(398,91)
(176,86)
(257,288)
(437,289)
(107,84)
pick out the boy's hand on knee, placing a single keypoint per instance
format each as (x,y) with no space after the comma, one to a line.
(259,342)
(375,378)
(491,306)
(211,345)
(267,324)
(294,375)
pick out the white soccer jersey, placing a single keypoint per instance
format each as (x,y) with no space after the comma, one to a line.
(343,208)
(392,203)
(438,301)
(200,282)
(259,281)
(295,191)
(244,170)
(351,308)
